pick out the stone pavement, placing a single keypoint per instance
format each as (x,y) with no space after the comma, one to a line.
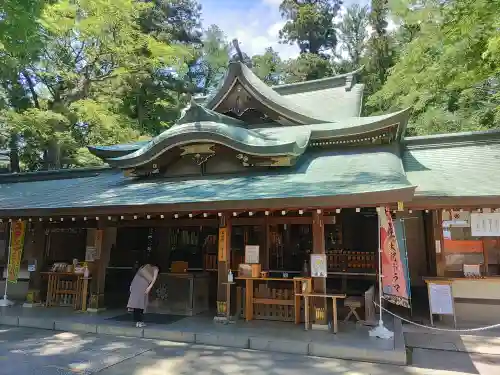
(474,352)
(351,342)
(26,351)
(478,342)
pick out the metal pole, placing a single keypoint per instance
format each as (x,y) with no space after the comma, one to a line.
(403,227)
(5,301)
(380,330)
(380,285)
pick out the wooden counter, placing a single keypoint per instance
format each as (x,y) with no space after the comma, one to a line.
(66,289)
(444,278)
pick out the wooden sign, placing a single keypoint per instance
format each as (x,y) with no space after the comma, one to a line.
(222,244)
(98,243)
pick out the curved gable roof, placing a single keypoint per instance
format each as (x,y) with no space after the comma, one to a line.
(239,72)
(238,138)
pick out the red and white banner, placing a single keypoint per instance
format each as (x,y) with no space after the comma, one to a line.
(395,280)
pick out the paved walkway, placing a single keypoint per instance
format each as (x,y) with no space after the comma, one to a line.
(478,342)
(351,342)
(26,351)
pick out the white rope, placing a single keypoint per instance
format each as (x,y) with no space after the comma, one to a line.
(439,329)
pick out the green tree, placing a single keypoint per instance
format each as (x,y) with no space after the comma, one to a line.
(306,67)
(310,24)
(353,35)
(173,21)
(20,41)
(90,51)
(268,66)
(155,99)
(449,73)
(214,59)
(380,52)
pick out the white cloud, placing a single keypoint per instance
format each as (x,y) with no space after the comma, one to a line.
(256,23)
(272,3)
(256,27)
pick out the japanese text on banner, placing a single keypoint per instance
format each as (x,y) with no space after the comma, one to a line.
(17,233)
(394,270)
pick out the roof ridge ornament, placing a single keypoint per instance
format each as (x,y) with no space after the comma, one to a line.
(239,56)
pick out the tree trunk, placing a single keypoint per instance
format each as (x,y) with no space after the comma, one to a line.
(53,155)
(14,153)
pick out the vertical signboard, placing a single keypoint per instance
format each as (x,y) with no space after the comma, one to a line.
(17,234)
(395,283)
(318,265)
(222,244)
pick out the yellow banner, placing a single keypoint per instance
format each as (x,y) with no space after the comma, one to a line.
(17,233)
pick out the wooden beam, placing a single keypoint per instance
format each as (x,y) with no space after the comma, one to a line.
(267,243)
(437,222)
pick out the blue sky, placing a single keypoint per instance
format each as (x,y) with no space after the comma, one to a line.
(255,23)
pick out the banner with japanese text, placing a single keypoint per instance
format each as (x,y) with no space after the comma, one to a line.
(17,234)
(395,274)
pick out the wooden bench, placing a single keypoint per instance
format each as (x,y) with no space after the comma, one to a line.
(353,303)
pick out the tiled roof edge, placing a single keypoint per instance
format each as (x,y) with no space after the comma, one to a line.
(58,174)
(436,140)
(347,80)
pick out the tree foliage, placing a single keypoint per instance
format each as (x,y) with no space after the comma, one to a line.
(380,52)
(214,59)
(80,72)
(268,66)
(90,50)
(449,73)
(306,67)
(310,24)
(353,35)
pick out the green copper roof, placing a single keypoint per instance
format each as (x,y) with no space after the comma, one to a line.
(320,174)
(266,95)
(349,127)
(454,165)
(260,141)
(334,98)
(195,112)
(114,151)
(238,138)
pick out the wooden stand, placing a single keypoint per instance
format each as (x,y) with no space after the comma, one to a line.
(334,298)
(67,289)
(250,301)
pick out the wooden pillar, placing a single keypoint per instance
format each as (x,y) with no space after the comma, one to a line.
(35,250)
(267,244)
(437,224)
(104,240)
(319,283)
(224,260)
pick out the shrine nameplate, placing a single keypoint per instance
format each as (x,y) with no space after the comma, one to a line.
(222,245)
